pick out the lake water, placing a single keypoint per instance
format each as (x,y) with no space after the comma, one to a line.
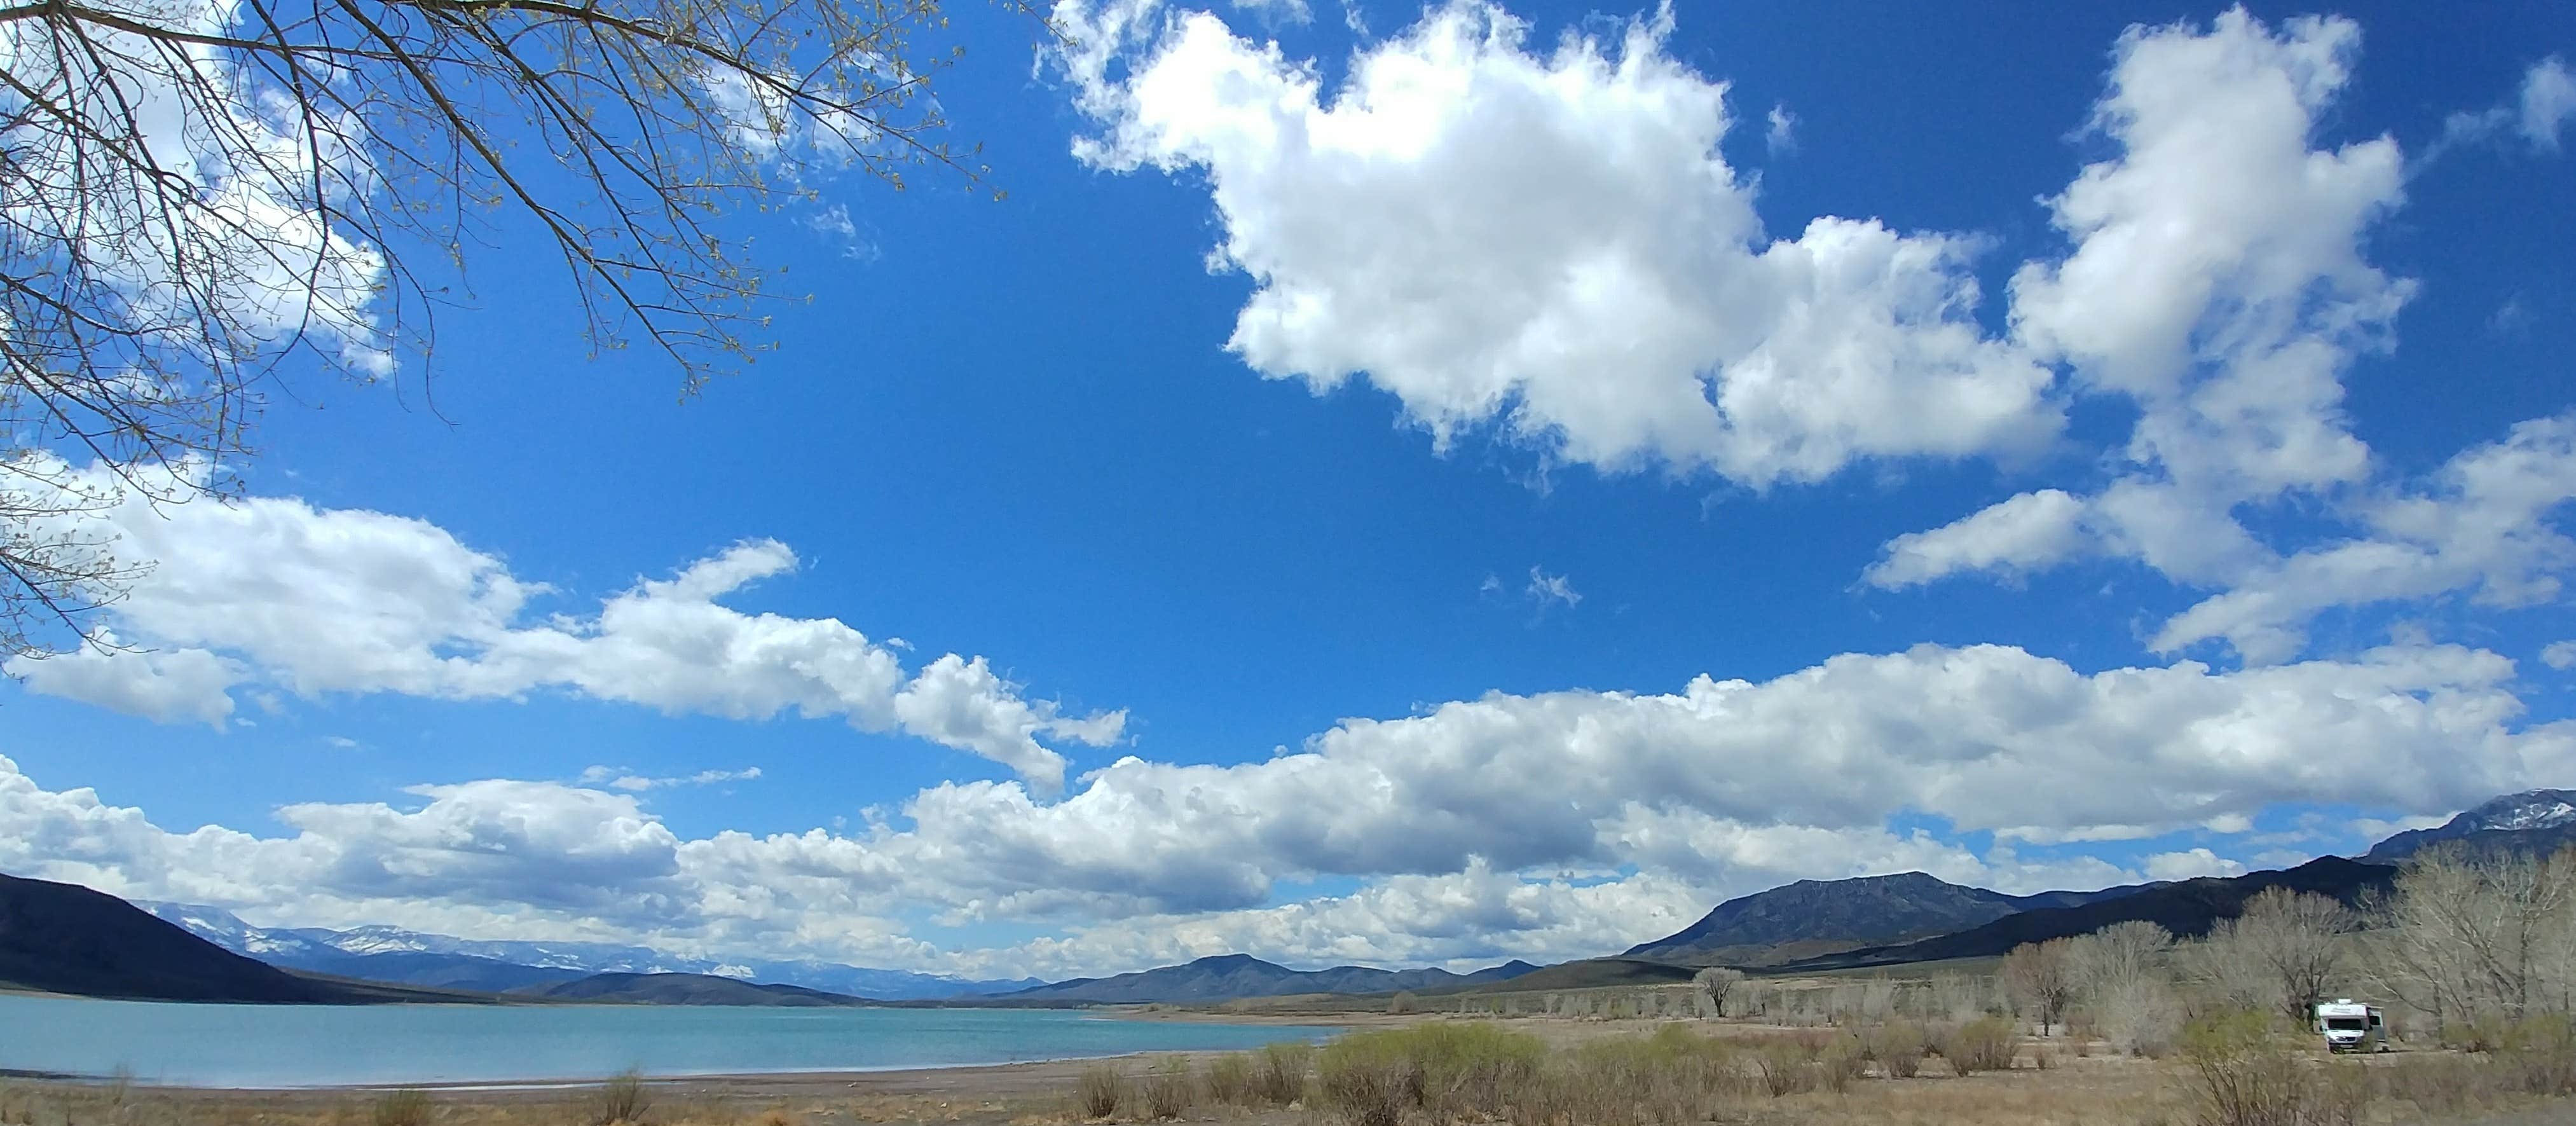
(331,1045)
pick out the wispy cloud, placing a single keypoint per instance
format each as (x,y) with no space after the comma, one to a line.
(1552,590)
(1782,136)
(619,778)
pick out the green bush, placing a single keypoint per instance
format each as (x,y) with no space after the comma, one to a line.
(1450,1068)
(1100,1089)
(1674,1075)
(1368,1086)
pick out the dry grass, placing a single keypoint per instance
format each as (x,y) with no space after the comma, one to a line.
(406,1106)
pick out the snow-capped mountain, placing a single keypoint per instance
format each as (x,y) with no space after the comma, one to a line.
(383,953)
(2531,821)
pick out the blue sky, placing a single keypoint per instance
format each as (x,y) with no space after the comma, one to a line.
(2275,415)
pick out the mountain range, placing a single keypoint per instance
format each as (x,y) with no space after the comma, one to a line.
(64,938)
(1228,977)
(2534,821)
(685,989)
(2187,908)
(391,954)
(1814,917)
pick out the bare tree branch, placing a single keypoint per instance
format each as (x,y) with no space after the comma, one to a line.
(194,193)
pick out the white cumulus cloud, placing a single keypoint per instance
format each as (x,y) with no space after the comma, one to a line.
(324,601)
(1551,825)
(1548,240)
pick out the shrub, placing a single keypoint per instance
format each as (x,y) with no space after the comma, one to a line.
(2339,1097)
(1898,1049)
(1402,1003)
(1230,1080)
(1369,1087)
(1169,1089)
(1100,1090)
(1279,1073)
(2242,1074)
(1839,1064)
(2142,1019)
(2539,1055)
(1983,1044)
(1674,1075)
(407,1106)
(622,1099)
(2440,1086)
(1785,1065)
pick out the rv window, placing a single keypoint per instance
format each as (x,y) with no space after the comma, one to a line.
(2344,1024)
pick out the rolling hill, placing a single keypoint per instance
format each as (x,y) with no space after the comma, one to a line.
(1227,977)
(1590,973)
(684,989)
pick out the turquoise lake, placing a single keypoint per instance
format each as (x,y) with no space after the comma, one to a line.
(329,1045)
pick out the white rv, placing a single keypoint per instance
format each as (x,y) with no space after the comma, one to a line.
(2351,1027)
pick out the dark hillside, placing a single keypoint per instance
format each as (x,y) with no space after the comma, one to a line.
(64,938)
(2187,909)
